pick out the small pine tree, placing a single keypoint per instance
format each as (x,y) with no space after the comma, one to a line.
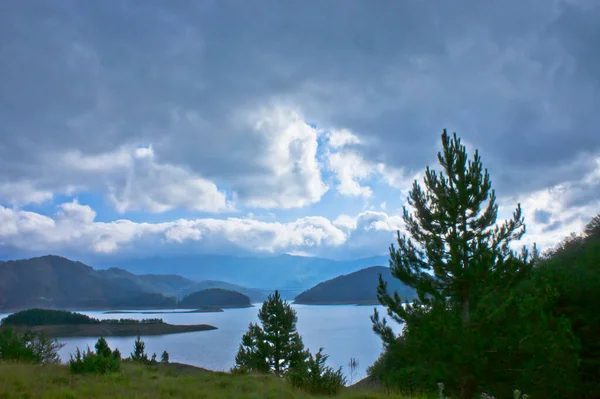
(102,348)
(153,360)
(165,357)
(454,253)
(139,354)
(100,362)
(315,377)
(275,346)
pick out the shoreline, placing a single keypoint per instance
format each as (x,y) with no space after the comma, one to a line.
(111,330)
(208,310)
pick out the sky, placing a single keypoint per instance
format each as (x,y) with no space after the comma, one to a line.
(150,128)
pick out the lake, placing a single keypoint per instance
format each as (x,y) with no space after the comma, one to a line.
(344,331)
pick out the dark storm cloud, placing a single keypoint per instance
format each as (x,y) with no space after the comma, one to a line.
(520,80)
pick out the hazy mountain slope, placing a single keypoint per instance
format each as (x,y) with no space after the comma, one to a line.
(355,288)
(178,286)
(56,282)
(214,297)
(284,272)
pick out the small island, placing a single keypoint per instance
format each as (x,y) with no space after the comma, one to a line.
(215,298)
(64,324)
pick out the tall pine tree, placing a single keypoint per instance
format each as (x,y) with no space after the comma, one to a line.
(275,346)
(454,252)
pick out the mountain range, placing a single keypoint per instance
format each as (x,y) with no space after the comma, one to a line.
(56,282)
(283,272)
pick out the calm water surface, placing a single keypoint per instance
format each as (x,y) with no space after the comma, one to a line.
(343,332)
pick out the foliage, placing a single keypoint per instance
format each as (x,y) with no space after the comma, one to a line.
(139,354)
(275,346)
(571,271)
(315,377)
(42,317)
(453,255)
(102,361)
(28,347)
(102,347)
(165,357)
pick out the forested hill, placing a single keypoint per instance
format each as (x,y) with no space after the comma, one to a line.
(59,283)
(355,288)
(56,282)
(214,298)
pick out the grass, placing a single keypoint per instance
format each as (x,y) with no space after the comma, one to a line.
(152,382)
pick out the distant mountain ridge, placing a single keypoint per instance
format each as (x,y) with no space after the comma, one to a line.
(59,283)
(284,272)
(357,288)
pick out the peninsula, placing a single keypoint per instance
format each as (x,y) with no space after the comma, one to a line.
(63,324)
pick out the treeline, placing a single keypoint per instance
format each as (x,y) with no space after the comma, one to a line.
(489,320)
(45,317)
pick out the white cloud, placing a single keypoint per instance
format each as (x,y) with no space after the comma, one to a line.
(349,169)
(226,128)
(73,227)
(341,138)
(135,180)
(289,174)
(567,204)
(23,192)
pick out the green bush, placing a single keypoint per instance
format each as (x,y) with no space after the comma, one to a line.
(139,355)
(28,347)
(314,377)
(100,362)
(165,357)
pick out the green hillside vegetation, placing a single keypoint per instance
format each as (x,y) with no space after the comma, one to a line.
(355,288)
(216,298)
(149,382)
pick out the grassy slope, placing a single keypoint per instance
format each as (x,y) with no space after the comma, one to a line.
(134,381)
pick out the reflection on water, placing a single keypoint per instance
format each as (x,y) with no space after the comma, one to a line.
(343,331)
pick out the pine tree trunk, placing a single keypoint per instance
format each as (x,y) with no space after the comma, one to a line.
(468,389)
(466,314)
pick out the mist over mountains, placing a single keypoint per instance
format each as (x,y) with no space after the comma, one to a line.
(283,272)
